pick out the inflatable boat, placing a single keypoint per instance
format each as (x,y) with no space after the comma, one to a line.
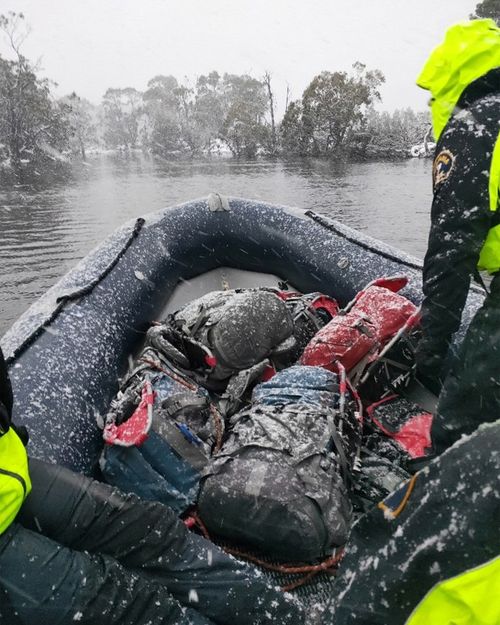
(68,351)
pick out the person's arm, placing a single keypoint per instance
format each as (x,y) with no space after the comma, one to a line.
(460,220)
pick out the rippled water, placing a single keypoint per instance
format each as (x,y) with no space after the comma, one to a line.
(46,231)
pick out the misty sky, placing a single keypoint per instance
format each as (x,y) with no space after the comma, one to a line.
(89,45)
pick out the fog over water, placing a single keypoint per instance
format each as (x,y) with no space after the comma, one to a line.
(46,232)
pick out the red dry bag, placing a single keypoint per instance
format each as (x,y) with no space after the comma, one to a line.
(357,336)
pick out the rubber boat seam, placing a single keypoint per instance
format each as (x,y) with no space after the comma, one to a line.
(329,226)
(64,299)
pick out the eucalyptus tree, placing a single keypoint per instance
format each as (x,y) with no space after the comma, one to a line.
(333,108)
(162,107)
(488,8)
(123,110)
(391,135)
(81,119)
(244,128)
(292,134)
(272,146)
(210,109)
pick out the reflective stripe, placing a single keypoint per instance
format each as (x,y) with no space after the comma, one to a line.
(471,598)
(489,258)
(15,482)
(494,183)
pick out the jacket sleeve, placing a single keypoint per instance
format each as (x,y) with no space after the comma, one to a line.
(460,220)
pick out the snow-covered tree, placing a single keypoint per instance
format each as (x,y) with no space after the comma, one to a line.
(32,123)
(487,8)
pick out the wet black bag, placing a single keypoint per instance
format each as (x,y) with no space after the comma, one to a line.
(278,485)
(223,333)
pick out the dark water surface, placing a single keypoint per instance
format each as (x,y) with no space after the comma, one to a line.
(46,231)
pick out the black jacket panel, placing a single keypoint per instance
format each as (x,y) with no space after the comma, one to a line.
(460,221)
(6,398)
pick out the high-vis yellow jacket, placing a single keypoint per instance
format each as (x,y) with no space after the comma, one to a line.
(15,482)
(469,51)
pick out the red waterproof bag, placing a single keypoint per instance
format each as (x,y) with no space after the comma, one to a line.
(357,336)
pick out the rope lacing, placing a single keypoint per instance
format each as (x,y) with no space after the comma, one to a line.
(308,571)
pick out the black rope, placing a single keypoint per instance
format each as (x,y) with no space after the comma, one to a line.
(330,226)
(90,287)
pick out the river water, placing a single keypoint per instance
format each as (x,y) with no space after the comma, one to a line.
(47,229)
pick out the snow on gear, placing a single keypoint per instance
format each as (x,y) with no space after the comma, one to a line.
(310,312)
(398,413)
(278,484)
(162,427)
(115,296)
(471,390)
(383,465)
(393,371)
(356,337)
(158,434)
(240,386)
(382,470)
(135,429)
(224,332)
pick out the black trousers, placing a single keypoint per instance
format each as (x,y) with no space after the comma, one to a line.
(83,552)
(471,391)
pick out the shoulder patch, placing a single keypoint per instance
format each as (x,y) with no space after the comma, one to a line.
(442,167)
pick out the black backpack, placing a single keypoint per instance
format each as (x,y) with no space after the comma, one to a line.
(224,332)
(279,482)
(159,456)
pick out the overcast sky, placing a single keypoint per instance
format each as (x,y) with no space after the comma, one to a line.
(89,45)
